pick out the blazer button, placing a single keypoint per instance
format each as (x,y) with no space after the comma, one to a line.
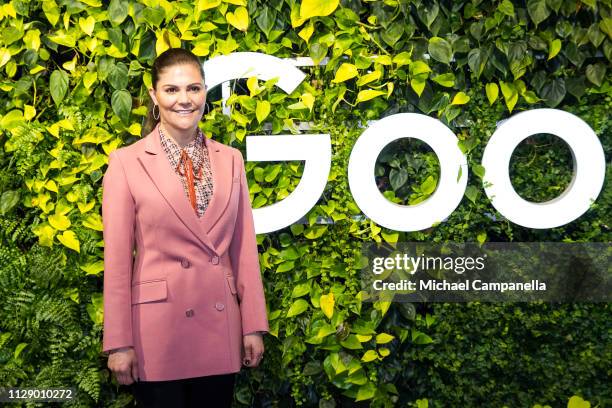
(189,312)
(185,263)
(215,260)
(219,306)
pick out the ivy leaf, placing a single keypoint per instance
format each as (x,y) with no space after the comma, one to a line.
(477,59)
(117,11)
(8,200)
(460,99)
(87,24)
(576,86)
(383,338)
(262,110)
(118,76)
(59,221)
(595,73)
(58,85)
(428,186)
(368,94)
(553,92)
(345,72)
(555,47)
(298,307)
(507,8)
(440,50)
(265,20)
(369,355)
(578,402)
(472,193)
(317,52)
(239,18)
(538,10)
(70,240)
(327,304)
(398,178)
(606,26)
(121,101)
(366,392)
(314,8)
(510,94)
(492,92)
(427,14)
(446,80)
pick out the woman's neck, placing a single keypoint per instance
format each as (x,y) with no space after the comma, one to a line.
(181,137)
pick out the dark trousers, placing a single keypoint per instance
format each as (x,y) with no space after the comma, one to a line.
(201,392)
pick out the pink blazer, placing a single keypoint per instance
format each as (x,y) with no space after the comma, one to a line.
(180,290)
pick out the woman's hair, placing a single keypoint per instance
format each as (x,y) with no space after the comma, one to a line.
(168,58)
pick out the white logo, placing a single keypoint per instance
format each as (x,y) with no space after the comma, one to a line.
(315,150)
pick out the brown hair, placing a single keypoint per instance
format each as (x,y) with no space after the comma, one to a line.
(168,58)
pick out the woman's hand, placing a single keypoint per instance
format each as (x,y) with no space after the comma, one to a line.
(124,364)
(253,349)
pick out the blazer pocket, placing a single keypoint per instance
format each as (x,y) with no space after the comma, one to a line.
(232,284)
(149,291)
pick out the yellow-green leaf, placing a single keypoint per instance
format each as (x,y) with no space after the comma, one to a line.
(345,72)
(313,8)
(262,110)
(578,402)
(460,99)
(383,338)
(206,4)
(308,99)
(492,92)
(555,47)
(418,84)
(70,240)
(254,87)
(59,221)
(368,94)
(89,78)
(93,268)
(510,94)
(306,32)
(369,355)
(29,112)
(84,207)
(367,78)
(45,234)
(236,2)
(239,18)
(87,24)
(93,221)
(298,307)
(327,304)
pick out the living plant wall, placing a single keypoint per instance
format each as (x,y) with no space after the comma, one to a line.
(74,78)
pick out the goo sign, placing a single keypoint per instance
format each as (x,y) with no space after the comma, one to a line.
(315,151)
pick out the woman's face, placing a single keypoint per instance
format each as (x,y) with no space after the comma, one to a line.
(180,95)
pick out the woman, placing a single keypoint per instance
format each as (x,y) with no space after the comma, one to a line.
(184,313)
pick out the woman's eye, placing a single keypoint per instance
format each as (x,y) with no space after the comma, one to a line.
(170,90)
(195,88)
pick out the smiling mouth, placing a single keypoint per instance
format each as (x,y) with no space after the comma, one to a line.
(185,111)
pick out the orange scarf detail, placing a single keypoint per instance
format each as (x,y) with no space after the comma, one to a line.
(187,171)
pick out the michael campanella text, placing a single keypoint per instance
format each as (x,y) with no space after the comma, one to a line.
(444,285)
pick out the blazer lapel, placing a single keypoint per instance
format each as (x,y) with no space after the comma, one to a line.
(221,167)
(157,166)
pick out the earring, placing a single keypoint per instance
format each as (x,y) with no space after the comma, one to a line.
(155,106)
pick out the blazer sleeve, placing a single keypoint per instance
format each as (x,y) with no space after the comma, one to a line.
(118,219)
(245,263)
